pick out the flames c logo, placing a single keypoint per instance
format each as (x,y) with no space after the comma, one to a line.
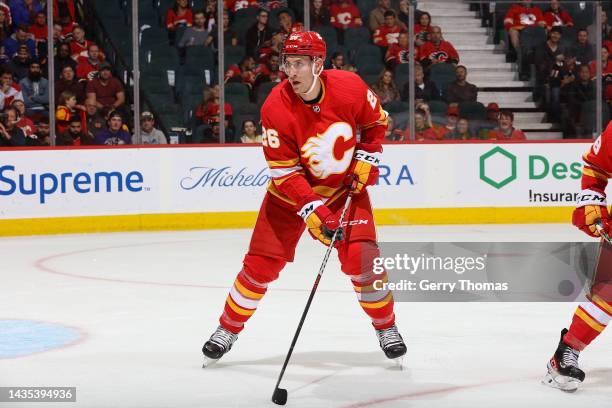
(319,151)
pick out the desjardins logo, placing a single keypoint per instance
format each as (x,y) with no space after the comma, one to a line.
(498,167)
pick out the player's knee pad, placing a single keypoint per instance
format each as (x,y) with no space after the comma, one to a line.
(357,258)
(262,269)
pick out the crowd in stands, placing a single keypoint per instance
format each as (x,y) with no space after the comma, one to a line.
(368,38)
(90,102)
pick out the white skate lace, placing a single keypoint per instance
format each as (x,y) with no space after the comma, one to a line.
(570,357)
(389,337)
(223,338)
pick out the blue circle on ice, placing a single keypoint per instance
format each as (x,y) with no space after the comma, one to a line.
(20,338)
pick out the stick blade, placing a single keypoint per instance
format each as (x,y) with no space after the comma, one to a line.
(280,396)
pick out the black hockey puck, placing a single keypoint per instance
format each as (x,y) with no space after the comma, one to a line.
(280,396)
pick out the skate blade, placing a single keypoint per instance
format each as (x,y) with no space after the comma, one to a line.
(209,362)
(561,382)
(399,363)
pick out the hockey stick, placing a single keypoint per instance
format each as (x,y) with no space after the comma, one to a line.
(279,396)
(602,231)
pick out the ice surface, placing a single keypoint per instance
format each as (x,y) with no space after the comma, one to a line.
(145,303)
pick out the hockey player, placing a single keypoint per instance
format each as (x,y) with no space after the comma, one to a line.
(591,317)
(310,122)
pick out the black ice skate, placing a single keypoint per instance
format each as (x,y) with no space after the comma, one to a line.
(219,343)
(391,343)
(563,372)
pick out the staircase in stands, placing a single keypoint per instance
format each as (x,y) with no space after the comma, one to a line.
(496,79)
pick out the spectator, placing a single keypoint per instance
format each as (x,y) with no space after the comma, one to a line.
(519,16)
(403,15)
(106,90)
(286,24)
(20,63)
(388,33)
(88,66)
(452,116)
(385,88)
(114,134)
(244,72)
(38,30)
(79,44)
(437,50)
(561,75)
(7,12)
(461,90)
(319,14)
(23,121)
(35,89)
(270,71)
(74,134)
(423,126)
(178,15)
(606,29)
(58,38)
(148,133)
(21,36)
(344,14)
(95,120)
(9,90)
(423,89)
(490,122)
(582,51)
(10,134)
(557,17)
(461,131)
(606,73)
(5,26)
(69,82)
(66,110)
(210,12)
(229,36)
(275,46)
(42,131)
(505,128)
(336,61)
(398,53)
(196,34)
(4,59)
(259,35)
(377,16)
(577,93)
(67,24)
(210,106)
(211,132)
(62,59)
(23,10)
(249,132)
(546,56)
(423,29)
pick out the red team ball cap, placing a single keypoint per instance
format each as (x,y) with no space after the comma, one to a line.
(308,43)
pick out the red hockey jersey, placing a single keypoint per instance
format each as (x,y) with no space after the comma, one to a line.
(317,142)
(560,19)
(342,17)
(443,52)
(385,36)
(519,16)
(598,162)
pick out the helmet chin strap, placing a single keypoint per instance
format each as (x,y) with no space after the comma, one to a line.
(315,76)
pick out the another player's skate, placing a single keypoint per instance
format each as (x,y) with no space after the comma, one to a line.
(563,372)
(219,343)
(391,343)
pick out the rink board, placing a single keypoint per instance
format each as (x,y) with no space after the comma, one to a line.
(122,189)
